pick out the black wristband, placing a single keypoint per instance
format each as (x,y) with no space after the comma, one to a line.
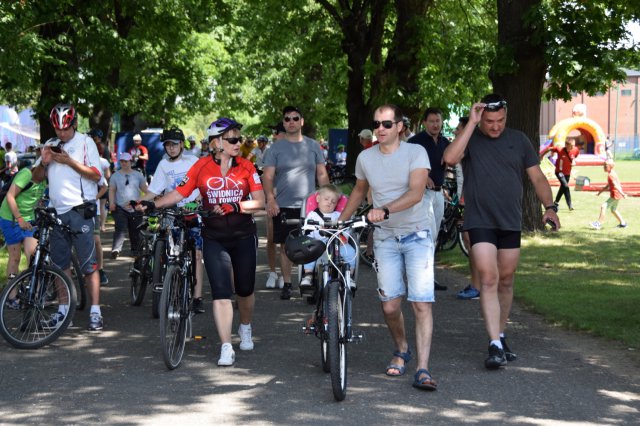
(386,212)
(551,207)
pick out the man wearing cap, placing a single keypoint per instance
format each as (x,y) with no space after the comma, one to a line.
(293,168)
(366,138)
(258,152)
(168,175)
(125,185)
(139,155)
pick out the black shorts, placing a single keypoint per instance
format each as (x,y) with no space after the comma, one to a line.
(499,238)
(281,229)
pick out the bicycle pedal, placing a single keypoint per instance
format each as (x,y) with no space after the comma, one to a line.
(356,337)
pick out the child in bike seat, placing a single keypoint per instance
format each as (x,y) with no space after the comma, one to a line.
(327,198)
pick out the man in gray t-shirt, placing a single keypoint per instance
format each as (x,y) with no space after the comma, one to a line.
(397,174)
(494,159)
(292,168)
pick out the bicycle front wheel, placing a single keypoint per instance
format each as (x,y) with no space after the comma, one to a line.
(140,274)
(45,305)
(337,344)
(158,274)
(174,314)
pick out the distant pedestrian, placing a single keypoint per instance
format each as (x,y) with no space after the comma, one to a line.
(564,162)
(615,195)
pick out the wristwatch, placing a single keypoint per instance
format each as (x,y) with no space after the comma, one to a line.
(552,207)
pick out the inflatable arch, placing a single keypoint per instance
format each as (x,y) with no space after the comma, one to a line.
(588,128)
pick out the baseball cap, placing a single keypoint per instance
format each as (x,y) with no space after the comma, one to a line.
(291,108)
(365,134)
(125,156)
(137,137)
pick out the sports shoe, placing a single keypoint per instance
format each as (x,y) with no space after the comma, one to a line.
(104,280)
(496,358)
(13,304)
(468,293)
(622,225)
(271,280)
(595,225)
(54,321)
(115,254)
(280,282)
(95,322)
(438,287)
(246,343)
(508,354)
(227,355)
(197,307)
(285,294)
(306,281)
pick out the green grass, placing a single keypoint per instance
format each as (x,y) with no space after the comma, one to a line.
(581,278)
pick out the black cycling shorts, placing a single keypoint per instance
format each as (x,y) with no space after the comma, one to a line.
(231,266)
(499,238)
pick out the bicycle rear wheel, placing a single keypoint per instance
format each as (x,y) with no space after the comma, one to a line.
(463,244)
(35,321)
(174,314)
(140,274)
(77,277)
(337,344)
(158,274)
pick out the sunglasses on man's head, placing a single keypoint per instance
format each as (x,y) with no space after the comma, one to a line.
(495,106)
(232,141)
(387,124)
(294,118)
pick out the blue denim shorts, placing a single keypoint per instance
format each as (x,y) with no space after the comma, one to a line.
(12,232)
(410,255)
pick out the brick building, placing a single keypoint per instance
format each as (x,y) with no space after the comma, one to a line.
(616,111)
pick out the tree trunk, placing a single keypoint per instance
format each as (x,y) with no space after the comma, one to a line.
(521,85)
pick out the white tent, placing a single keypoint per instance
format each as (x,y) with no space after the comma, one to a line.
(19,129)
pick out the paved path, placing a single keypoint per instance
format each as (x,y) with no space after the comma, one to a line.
(118,377)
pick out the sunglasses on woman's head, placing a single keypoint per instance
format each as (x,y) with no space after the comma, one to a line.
(387,124)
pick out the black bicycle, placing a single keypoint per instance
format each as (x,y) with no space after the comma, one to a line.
(334,289)
(451,232)
(37,306)
(177,289)
(141,273)
(160,258)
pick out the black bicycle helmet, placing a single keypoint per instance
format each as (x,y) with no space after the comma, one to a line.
(301,249)
(173,134)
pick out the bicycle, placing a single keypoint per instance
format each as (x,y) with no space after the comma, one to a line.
(365,237)
(141,273)
(334,289)
(161,249)
(30,312)
(177,289)
(451,232)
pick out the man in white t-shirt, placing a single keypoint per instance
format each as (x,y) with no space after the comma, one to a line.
(10,161)
(397,174)
(169,173)
(72,164)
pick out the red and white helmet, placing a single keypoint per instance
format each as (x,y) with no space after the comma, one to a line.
(62,116)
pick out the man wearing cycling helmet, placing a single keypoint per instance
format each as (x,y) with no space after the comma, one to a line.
(169,173)
(293,167)
(73,167)
(231,190)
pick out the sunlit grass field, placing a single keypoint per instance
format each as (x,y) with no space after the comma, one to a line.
(582,278)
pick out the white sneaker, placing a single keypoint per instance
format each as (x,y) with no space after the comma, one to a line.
(280,282)
(271,281)
(246,343)
(227,355)
(596,225)
(306,281)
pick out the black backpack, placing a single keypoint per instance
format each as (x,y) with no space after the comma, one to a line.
(7,184)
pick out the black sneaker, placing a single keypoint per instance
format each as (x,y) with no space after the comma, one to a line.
(496,358)
(508,354)
(438,287)
(285,294)
(115,254)
(197,307)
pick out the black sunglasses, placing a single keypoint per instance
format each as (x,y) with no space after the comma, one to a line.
(127,181)
(294,118)
(387,124)
(232,141)
(495,106)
